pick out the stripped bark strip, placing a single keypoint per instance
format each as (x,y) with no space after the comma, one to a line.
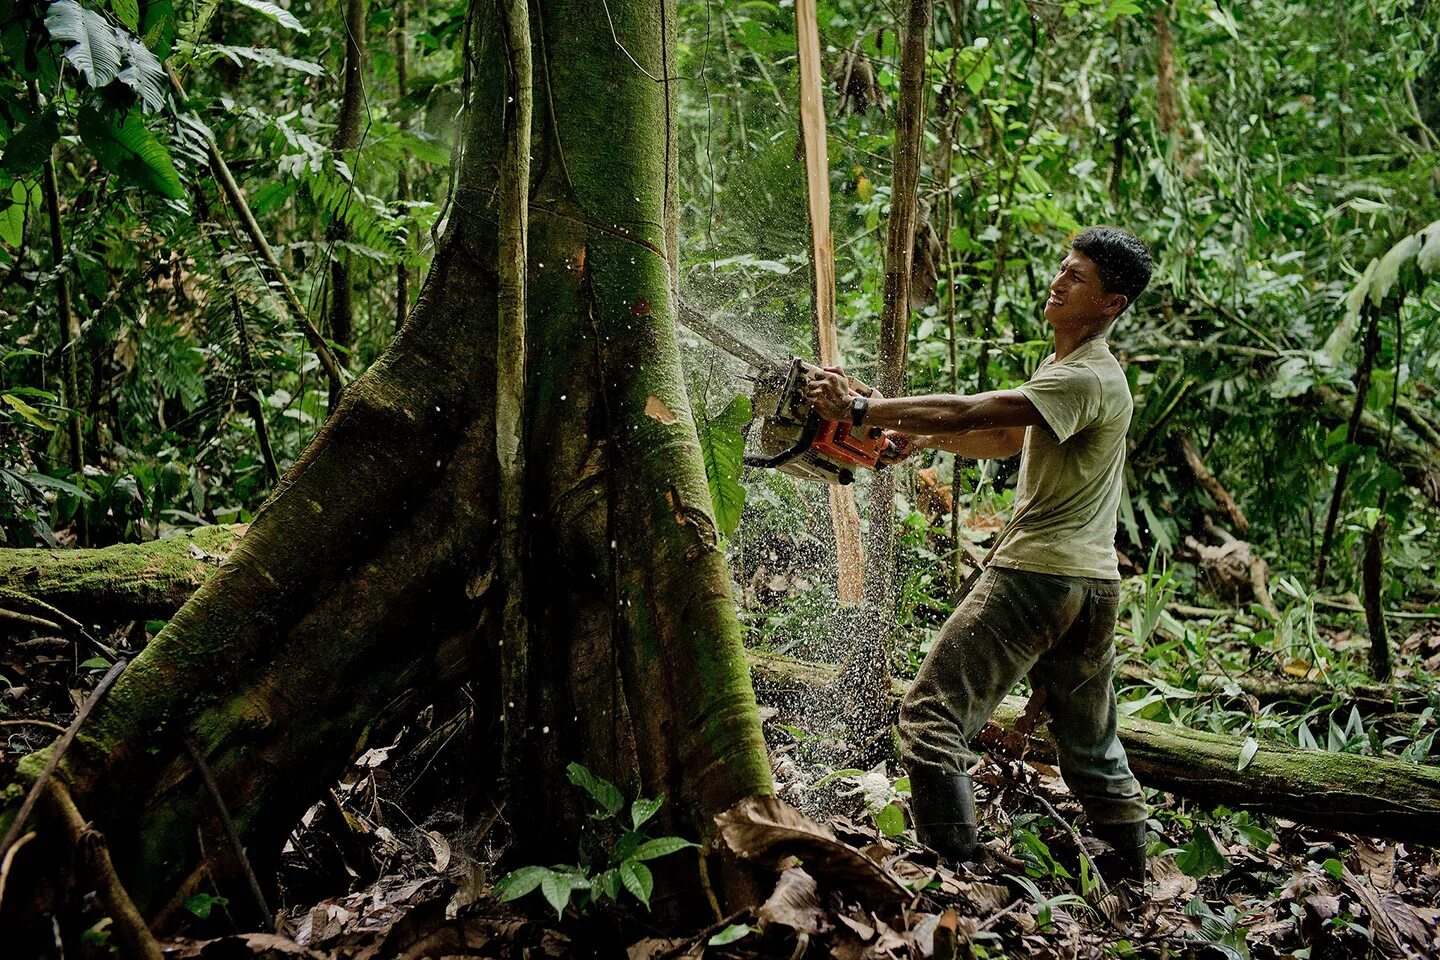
(844,513)
(57,753)
(514,226)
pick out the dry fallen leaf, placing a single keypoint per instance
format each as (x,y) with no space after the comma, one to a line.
(795,903)
(767,829)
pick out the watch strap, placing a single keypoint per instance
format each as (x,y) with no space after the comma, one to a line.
(859,406)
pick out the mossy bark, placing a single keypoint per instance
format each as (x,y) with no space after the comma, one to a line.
(130,581)
(371,573)
(1347,792)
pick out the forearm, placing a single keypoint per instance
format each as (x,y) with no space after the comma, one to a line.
(978,444)
(945,416)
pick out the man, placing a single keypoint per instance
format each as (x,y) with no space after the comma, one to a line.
(1046,602)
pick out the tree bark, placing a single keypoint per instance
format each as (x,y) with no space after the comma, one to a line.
(130,581)
(370,575)
(1340,791)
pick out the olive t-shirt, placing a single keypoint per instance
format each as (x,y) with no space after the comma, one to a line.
(1072,474)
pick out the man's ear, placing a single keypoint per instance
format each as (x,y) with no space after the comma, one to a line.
(1117,304)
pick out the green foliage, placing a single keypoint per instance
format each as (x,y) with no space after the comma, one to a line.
(202,904)
(612,861)
(722,445)
(1200,857)
(124,146)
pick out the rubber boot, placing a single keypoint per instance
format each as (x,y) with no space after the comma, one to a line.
(1128,842)
(943,805)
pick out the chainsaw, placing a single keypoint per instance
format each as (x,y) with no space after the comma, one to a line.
(792,437)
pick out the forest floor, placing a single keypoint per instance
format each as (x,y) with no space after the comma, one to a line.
(387,867)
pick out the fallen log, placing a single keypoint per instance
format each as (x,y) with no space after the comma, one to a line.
(1340,791)
(1371,699)
(129,581)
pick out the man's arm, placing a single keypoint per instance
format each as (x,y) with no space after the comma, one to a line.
(980,444)
(984,425)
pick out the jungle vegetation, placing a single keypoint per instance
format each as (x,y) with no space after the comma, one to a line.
(397,285)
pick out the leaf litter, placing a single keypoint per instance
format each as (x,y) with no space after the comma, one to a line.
(386,867)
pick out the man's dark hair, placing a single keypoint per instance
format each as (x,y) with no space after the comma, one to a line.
(1122,258)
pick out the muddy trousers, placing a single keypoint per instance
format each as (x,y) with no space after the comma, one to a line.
(1059,630)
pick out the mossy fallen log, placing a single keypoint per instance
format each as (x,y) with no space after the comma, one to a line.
(129,581)
(1340,791)
(1370,699)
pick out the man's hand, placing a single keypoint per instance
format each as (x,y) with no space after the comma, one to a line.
(902,445)
(828,391)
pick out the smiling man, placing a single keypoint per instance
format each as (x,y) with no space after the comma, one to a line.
(1046,602)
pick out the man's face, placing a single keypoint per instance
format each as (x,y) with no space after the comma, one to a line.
(1077,297)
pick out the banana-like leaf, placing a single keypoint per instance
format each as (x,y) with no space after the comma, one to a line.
(1388,271)
(123,146)
(1344,333)
(144,74)
(723,449)
(96,48)
(273,12)
(1428,257)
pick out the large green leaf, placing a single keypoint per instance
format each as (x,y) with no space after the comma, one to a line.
(13,201)
(603,791)
(637,879)
(1390,267)
(1428,257)
(144,74)
(96,48)
(28,149)
(723,448)
(123,146)
(157,26)
(272,12)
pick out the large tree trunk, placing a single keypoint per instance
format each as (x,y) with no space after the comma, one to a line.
(370,574)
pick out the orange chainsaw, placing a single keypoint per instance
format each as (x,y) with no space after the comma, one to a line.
(792,437)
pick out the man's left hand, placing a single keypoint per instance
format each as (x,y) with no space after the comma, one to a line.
(828,391)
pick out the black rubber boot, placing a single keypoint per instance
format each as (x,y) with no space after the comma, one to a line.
(1128,842)
(943,805)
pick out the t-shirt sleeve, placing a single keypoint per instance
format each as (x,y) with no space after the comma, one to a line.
(1067,396)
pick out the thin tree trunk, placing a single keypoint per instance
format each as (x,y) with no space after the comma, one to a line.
(371,576)
(347,137)
(270,263)
(402,173)
(1372,580)
(1369,350)
(870,664)
(69,329)
(249,383)
(1165,71)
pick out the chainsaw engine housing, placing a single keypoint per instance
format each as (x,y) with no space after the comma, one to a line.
(794,439)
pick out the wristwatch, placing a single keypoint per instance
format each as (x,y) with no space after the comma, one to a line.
(858,408)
